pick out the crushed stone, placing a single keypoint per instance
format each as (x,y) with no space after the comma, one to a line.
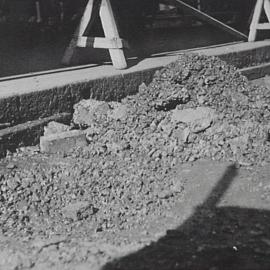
(126,171)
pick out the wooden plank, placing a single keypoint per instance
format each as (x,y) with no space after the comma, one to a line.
(267,9)
(86,18)
(111,31)
(208,19)
(263,26)
(100,43)
(255,20)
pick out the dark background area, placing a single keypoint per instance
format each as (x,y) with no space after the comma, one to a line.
(30,46)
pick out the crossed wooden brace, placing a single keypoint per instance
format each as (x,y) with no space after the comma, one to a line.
(111,41)
(261,5)
(115,44)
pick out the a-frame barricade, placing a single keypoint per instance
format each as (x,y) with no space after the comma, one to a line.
(111,41)
(260,7)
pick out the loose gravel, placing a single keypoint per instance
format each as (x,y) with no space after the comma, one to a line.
(196,108)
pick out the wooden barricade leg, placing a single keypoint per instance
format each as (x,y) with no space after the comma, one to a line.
(255,20)
(111,41)
(267,9)
(111,31)
(261,5)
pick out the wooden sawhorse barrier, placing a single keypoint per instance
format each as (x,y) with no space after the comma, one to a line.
(261,5)
(111,41)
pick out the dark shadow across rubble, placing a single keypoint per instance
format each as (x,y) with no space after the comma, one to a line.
(213,238)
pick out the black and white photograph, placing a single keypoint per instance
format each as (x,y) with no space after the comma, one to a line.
(134,134)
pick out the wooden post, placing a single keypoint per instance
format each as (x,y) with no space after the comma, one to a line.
(255,20)
(85,18)
(267,9)
(255,23)
(67,58)
(38,12)
(111,31)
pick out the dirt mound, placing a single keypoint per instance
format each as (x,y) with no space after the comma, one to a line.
(197,107)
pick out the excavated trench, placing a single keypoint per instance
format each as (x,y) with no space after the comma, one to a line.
(127,169)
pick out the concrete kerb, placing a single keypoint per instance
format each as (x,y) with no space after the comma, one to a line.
(242,55)
(42,96)
(33,104)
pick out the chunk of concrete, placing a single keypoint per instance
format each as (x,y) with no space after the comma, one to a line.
(191,115)
(200,125)
(86,111)
(78,210)
(55,127)
(64,142)
(239,143)
(118,111)
(198,119)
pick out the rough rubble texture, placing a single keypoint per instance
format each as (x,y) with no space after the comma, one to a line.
(198,107)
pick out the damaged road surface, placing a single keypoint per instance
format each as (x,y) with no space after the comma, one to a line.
(174,177)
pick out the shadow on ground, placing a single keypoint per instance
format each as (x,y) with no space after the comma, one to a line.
(213,238)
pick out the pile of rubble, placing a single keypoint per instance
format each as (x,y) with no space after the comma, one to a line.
(120,158)
(197,107)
